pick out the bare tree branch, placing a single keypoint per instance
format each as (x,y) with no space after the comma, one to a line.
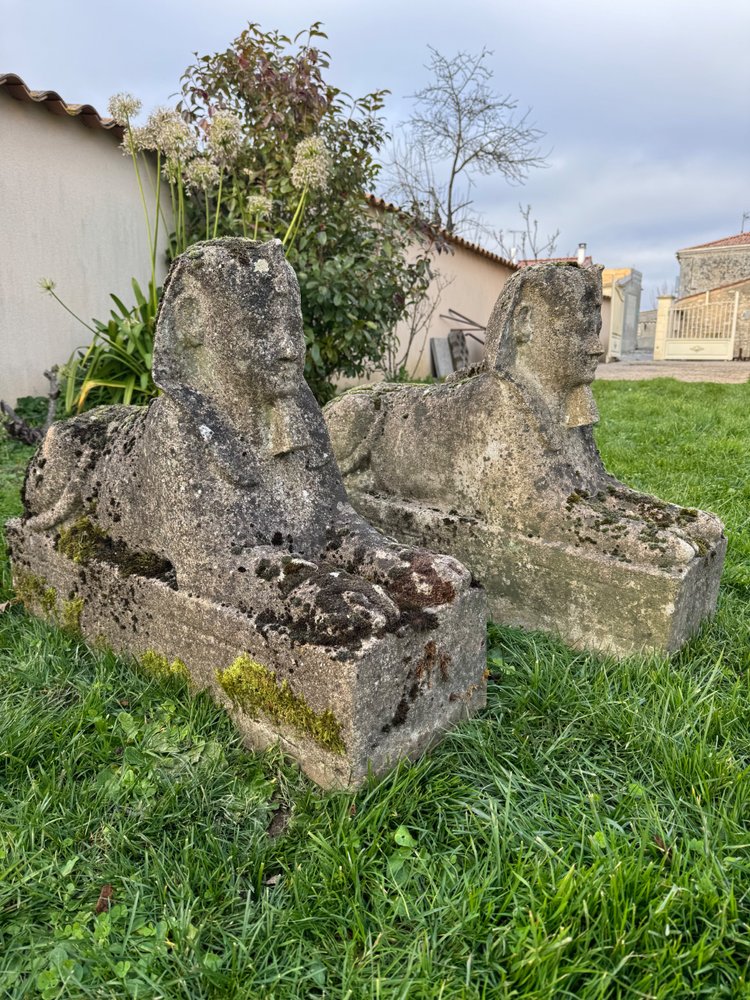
(418,318)
(459,122)
(526,243)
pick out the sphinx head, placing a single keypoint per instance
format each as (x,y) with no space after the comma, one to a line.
(545,326)
(230,324)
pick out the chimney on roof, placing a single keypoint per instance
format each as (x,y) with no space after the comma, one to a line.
(581,255)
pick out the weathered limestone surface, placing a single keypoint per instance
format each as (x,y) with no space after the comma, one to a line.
(498,465)
(211,531)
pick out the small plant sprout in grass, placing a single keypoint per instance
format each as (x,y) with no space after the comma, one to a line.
(586,836)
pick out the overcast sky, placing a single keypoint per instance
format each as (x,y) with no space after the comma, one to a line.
(644,104)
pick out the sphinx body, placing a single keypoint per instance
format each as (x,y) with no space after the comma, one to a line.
(213,528)
(499,466)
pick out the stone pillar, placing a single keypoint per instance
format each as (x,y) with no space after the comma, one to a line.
(663,305)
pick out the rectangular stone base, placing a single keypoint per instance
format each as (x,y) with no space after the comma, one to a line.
(591,601)
(339,713)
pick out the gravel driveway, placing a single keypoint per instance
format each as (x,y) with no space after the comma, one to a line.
(632,370)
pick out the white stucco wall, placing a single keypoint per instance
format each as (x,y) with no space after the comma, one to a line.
(71,212)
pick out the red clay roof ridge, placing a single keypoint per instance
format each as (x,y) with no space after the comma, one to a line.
(740,239)
(54,103)
(459,241)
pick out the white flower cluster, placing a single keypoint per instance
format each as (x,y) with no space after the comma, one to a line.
(170,134)
(224,136)
(258,204)
(312,165)
(123,107)
(135,139)
(201,174)
(171,171)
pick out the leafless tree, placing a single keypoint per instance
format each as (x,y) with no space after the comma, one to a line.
(664,288)
(460,127)
(526,243)
(418,319)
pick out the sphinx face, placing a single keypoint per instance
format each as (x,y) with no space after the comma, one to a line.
(262,351)
(254,345)
(230,327)
(559,337)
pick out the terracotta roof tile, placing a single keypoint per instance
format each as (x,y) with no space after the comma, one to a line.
(52,101)
(459,241)
(740,240)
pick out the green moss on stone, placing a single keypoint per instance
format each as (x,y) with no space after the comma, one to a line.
(80,541)
(83,541)
(70,618)
(703,546)
(160,667)
(35,592)
(254,688)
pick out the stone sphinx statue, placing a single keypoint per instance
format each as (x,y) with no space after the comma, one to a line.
(212,530)
(498,466)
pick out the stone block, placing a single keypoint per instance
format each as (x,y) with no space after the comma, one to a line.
(499,467)
(339,711)
(210,533)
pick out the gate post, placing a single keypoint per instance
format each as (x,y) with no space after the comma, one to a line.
(663,305)
(733,334)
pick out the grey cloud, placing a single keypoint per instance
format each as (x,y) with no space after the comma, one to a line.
(644,105)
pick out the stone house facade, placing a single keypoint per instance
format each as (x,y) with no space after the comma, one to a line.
(712,264)
(710,318)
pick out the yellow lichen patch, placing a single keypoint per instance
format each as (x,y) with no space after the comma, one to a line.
(160,667)
(35,592)
(254,688)
(80,541)
(70,618)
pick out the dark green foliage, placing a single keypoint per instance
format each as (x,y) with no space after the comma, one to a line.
(33,409)
(585,837)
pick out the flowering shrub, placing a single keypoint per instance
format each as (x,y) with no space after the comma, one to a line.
(261,146)
(300,172)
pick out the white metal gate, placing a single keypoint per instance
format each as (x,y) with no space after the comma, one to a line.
(702,330)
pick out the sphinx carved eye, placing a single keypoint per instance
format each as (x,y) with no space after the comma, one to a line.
(522,324)
(188,314)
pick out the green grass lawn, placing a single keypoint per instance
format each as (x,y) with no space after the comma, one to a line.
(588,835)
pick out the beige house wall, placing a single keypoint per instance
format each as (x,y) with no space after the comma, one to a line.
(464,281)
(604,333)
(71,212)
(621,287)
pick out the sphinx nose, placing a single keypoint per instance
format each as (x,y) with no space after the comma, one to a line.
(289,348)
